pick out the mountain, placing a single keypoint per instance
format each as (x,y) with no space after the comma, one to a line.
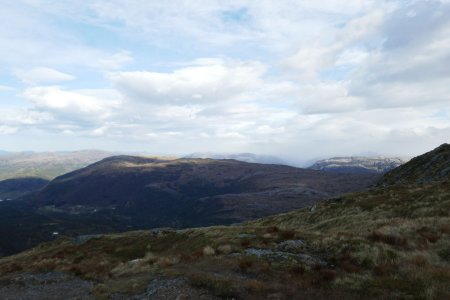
(388,242)
(358,164)
(18,187)
(212,190)
(427,168)
(46,165)
(246,157)
(127,192)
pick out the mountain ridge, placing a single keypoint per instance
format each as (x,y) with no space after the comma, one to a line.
(426,168)
(358,164)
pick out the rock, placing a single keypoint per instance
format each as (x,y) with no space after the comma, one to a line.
(246,235)
(280,256)
(81,239)
(293,246)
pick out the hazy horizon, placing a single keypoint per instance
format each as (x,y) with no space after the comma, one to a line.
(299,80)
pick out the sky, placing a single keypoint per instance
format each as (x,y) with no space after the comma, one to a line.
(295,79)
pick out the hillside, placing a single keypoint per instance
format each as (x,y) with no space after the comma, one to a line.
(46,165)
(358,164)
(427,168)
(18,187)
(210,186)
(123,193)
(388,242)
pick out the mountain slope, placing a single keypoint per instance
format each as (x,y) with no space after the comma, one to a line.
(358,164)
(189,192)
(124,192)
(17,187)
(427,168)
(389,242)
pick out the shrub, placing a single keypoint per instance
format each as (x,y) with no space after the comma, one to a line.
(287,234)
(388,239)
(327,274)
(245,243)
(272,229)
(245,264)
(420,260)
(254,285)
(298,269)
(264,268)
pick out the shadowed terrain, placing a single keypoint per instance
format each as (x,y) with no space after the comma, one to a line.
(17,187)
(127,192)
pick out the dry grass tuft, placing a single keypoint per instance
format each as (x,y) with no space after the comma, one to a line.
(224,249)
(209,251)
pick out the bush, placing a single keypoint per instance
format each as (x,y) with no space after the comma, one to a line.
(327,274)
(254,286)
(287,234)
(388,239)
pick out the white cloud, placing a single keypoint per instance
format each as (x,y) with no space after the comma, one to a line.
(5,130)
(206,81)
(42,76)
(81,105)
(116,61)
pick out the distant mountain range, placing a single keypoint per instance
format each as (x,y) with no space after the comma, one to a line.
(358,164)
(46,165)
(247,157)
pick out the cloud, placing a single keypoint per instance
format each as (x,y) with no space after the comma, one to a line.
(116,61)
(409,68)
(6,130)
(42,76)
(91,106)
(294,78)
(206,81)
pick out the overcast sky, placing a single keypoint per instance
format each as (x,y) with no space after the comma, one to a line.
(296,79)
